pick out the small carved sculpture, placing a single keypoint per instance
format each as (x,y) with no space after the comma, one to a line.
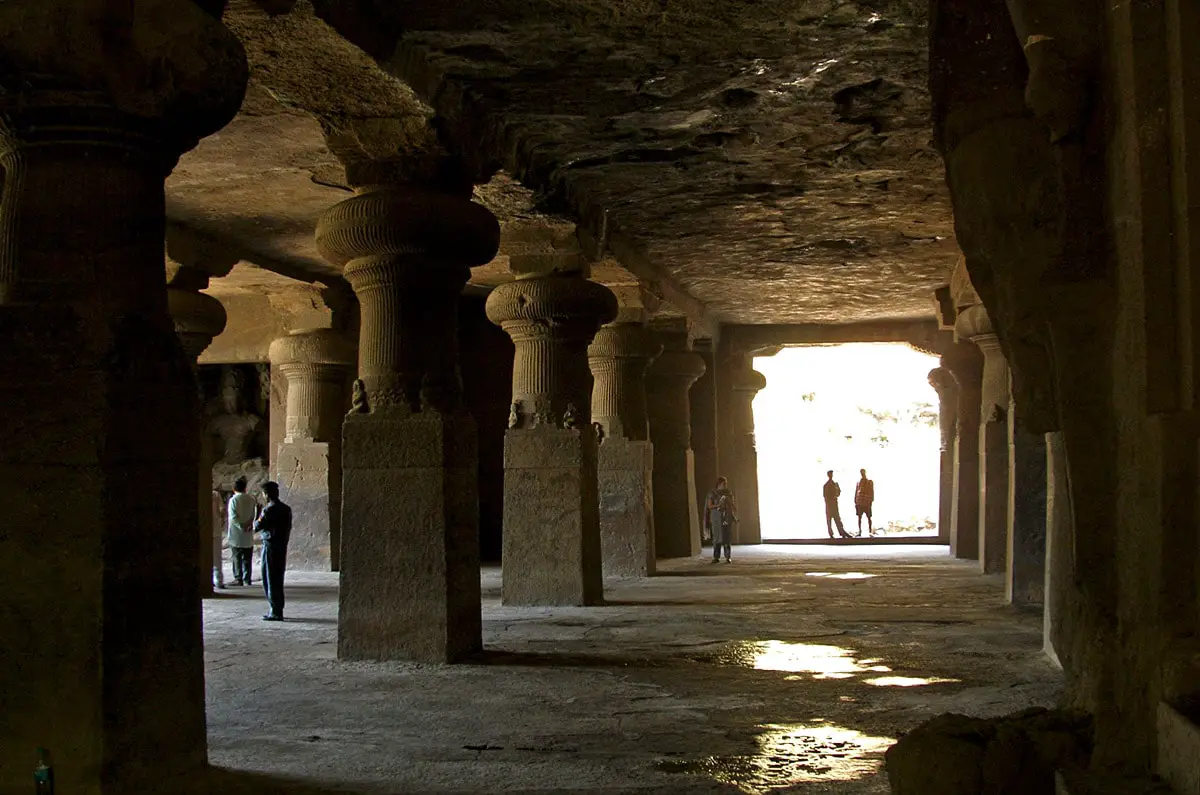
(996,414)
(599,429)
(514,415)
(542,418)
(571,417)
(358,403)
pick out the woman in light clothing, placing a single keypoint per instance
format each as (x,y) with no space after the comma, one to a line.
(242,511)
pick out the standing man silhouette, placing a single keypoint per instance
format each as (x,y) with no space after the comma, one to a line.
(864,497)
(275,525)
(832,515)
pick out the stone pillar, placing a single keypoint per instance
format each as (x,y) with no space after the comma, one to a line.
(745,384)
(676,515)
(198,318)
(308,463)
(704,425)
(618,358)
(1026,554)
(965,363)
(1060,538)
(101,615)
(409,558)
(941,379)
(551,504)
(993,440)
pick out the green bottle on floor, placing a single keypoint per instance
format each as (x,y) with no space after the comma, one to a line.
(43,774)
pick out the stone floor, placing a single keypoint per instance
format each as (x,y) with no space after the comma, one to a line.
(790,670)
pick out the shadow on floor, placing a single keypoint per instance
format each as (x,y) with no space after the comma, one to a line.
(222,781)
(555,659)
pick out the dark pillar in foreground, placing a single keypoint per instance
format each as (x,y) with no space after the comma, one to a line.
(1026,575)
(551,504)
(618,358)
(308,463)
(410,538)
(703,397)
(965,363)
(101,658)
(676,515)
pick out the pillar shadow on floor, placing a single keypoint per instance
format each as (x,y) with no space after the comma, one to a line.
(556,659)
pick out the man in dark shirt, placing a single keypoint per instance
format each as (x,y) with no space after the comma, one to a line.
(833,516)
(275,525)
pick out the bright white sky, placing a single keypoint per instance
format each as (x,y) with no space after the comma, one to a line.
(799,439)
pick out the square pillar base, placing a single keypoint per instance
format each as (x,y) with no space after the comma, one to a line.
(551,518)
(306,473)
(1026,579)
(626,478)
(993,498)
(410,538)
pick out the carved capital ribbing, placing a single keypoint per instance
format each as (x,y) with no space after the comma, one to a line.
(618,357)
(551,319)
(317,364)
(407,251)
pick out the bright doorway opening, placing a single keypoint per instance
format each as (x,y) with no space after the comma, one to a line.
(847,407)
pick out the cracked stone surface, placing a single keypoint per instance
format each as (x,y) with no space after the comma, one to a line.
(789,670)
(771,160)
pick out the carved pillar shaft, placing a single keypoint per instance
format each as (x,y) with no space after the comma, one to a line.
(409,552)
(965,362)
(552,551)
(746,384)
(943,382)
(97,403)
(703,396)
(676,515)
(618,357)
(308,463)
(1025,579)
(993,456)
(198,319)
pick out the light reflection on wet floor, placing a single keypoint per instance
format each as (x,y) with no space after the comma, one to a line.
(818,661)
(793,754)
(845,575)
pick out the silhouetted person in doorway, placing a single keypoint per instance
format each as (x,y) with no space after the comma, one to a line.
(832,515)
(864,497)
(242,510)
(720,515)
(275,525)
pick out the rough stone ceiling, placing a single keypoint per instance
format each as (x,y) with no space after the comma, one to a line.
(758,162)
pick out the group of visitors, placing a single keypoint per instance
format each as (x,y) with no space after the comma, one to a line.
(273,524)
(720,511)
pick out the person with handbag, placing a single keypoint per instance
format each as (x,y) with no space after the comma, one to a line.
(720,515)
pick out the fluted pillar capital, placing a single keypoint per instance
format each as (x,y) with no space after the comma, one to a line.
(618,357)
(407,251)
(973,323)
(552,319)
(198,318)
(748,382)
(312,346)
(316,364)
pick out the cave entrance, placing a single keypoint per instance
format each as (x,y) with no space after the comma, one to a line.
(847,407)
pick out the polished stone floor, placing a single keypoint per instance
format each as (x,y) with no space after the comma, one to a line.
(790,670)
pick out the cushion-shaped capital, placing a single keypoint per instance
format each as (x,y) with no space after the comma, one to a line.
(973,322)
(685,365)
(314,346)
(195,312)
(748,381)
(169,66)
(625,341)
(408,220)
(556,298)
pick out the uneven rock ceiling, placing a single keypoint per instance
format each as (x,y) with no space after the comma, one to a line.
(746,162)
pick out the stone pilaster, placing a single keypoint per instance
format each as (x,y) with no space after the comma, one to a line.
(551,511)
(102,650)
(703,396)
(409,558)
(618,357)
(942,380)
(965,363)
(676,515)
(1025,580)
(745,384)
(198,319)
(308,463)
(974,324)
